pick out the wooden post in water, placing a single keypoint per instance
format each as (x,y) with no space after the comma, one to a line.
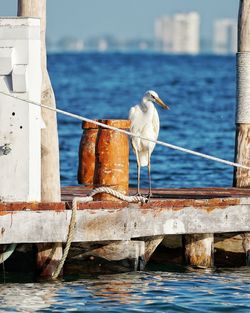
(48,254)
(242,142)
(199,250)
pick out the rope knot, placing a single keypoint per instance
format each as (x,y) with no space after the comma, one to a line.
(118,195)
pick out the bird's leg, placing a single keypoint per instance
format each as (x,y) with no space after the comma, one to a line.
(149,177)
(138,172)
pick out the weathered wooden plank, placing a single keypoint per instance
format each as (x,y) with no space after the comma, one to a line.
(51,226)
(69,192)
(208,204)
(121,224)
(190,220)
(32,206)
(177,204)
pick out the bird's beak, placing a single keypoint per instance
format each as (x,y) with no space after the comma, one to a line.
(161,103)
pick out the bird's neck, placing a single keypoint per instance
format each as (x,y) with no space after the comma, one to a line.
(146,105)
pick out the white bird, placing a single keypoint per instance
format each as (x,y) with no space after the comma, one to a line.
(145,122)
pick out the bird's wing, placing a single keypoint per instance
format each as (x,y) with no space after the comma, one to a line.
(131,113)
(136,126)
(135,118)
(156,124)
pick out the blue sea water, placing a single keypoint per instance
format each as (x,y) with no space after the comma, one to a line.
(149,291)
(201,93)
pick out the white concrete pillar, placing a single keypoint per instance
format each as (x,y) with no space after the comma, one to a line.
(20,122)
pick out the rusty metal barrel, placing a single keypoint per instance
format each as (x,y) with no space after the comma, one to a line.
(104,157)
(86,164)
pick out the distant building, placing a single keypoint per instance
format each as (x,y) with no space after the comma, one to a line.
(164,33)
(109,43)
(101,43)
(179,33)
(70,44)
(225,36)
(138,45)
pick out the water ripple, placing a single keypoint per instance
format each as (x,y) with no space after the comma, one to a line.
(188,291)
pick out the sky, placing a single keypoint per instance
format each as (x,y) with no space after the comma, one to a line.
(122,18)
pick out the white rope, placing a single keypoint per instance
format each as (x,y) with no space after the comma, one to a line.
(243,87)
(164,144)
(70,236)
(72,223)
(118,195)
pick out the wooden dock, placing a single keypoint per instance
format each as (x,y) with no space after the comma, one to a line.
(170,211)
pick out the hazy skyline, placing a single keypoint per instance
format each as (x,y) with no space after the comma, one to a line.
(122,18)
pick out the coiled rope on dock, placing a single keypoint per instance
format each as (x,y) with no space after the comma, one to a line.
(117,194)
(164,144)
(72,223)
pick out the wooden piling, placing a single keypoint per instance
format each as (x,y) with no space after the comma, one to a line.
(242,146)
(50,149)
(199,250)
(242,140)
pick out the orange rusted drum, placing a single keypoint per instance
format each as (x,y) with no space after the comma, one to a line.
(104,157)
(86,165)
(112,159)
